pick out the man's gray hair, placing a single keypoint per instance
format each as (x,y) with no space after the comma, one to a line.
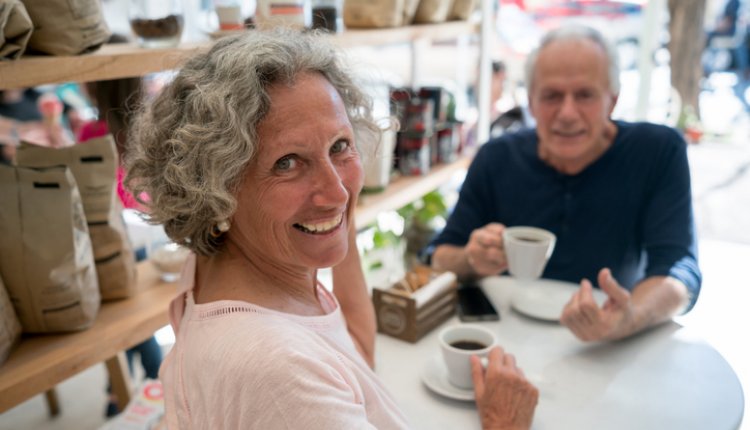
(577,32)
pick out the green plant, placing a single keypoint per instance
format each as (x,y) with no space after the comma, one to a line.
(425,211)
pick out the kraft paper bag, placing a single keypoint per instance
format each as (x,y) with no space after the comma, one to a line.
(66,27)
(410,9)
(94,166)
(432,11)
(10,327)
(15,29)
(461,10)
(46,260)
(373,14)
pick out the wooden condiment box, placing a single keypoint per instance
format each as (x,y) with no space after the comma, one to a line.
(401,316)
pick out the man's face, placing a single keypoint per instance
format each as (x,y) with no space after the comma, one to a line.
(571,100)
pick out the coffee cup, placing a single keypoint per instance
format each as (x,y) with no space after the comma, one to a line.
(527,250)
(457,344)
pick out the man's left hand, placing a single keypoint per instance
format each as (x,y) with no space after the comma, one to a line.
(589,322)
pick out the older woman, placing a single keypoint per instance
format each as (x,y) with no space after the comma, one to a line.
(249,160)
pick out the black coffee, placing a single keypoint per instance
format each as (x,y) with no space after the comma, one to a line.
(528,239)
(470,345)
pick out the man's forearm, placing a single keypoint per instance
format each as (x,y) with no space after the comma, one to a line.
(657,299)
(453,258)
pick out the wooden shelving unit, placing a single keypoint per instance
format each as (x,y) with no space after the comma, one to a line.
(403,191)
(129,60)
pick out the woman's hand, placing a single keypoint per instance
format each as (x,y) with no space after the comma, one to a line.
(505,399)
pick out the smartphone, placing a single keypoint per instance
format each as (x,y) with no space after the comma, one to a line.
(473,304)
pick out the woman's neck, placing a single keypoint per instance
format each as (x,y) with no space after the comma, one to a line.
(234,275)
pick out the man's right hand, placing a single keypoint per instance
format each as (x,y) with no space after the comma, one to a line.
(505,398)
(484,252)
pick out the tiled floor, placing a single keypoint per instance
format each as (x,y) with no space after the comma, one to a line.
(721,186)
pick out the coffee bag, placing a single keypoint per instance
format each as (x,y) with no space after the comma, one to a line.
(66,27)
(94,166)
(373,14)
(46,260)
(10,328)
(15,29)
(432,11)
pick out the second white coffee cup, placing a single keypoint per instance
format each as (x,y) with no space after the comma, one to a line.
(457,344)
(527,250)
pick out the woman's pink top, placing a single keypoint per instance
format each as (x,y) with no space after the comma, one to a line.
(236,365)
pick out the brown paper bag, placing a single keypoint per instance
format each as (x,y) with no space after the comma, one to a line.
(66,27)
(432,11)
(373,14)
(46,260)
(94,166)
(10,328)
(15,29)
(410,9)
(461,10)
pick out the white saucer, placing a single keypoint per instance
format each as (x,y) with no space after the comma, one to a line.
(545,299)
(435,377)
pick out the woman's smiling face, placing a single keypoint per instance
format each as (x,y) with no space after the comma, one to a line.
(295,203)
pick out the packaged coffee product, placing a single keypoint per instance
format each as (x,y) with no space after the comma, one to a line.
(15,29)
(94,166)
(461,10)
(10,328)
(410,9)
(326,15)
(46,260)
(432,11)
(373,14)
(66,27)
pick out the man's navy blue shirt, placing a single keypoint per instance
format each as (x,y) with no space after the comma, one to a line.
(630,210)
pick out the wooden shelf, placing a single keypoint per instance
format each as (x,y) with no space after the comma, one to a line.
(40,362)
(109,62)
(129,60)
(403,191)
(385,36)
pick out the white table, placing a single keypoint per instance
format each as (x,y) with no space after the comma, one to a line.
(666,378)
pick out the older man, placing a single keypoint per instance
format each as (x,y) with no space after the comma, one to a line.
(616,194)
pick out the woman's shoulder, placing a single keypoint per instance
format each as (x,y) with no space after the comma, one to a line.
(249,334)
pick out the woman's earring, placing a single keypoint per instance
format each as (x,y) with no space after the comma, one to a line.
(220,228)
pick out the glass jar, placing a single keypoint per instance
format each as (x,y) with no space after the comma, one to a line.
(158,24)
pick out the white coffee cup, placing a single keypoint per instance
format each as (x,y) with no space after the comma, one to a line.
(457,344)
(527,250)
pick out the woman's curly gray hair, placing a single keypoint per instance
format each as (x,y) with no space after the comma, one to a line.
(189,148)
